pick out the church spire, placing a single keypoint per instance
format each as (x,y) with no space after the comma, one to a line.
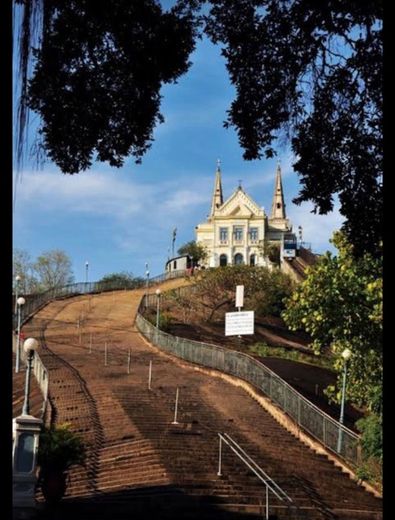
(218,198)
(278,206)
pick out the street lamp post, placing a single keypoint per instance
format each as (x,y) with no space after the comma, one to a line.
(20,301)
(17,280)
(26,432)
(147,276)
(29,346)
(86,271)
(157,307)
(346,354)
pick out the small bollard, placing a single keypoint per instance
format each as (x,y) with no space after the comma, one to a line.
(105,354)
(129,361)
(176,409)
(149,375)
(90,343)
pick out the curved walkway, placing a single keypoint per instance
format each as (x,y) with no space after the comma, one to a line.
(140,463)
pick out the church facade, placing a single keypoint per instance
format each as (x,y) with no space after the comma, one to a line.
(236,229)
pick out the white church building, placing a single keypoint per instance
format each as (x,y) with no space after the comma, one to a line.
(236,229)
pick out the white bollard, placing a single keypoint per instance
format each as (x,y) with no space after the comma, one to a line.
(129,361)
(90,343)
(149,375)
(105,354)
(176,409)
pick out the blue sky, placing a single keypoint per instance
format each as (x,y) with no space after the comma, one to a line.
(121,219)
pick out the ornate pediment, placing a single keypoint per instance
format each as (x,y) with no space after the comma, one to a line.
(239,205)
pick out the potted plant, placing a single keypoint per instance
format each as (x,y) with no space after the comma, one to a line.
(59,448)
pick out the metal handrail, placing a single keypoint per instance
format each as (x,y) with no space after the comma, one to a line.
(260,474)
(34,302)
(305,414)
(255,468)
(272,374)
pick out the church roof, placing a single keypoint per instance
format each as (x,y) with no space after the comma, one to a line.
(240,204)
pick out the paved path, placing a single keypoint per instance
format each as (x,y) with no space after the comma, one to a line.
(139,462)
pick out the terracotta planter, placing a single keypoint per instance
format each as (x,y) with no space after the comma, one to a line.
(53,486)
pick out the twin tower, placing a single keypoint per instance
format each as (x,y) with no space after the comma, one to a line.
(236,229)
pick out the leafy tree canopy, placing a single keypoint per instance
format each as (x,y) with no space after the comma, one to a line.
(196,251)
(50,269)
(264,291)
(23,267)
(123,279)
(340,305)
(98,75)
(54,269)
(306,71)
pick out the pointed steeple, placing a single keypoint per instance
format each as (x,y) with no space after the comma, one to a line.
(218,198)
(278,206)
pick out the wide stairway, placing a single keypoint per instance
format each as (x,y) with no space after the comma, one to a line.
(140,464)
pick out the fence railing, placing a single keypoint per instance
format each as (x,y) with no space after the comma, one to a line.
(34,302)
(305,414)
(292,509)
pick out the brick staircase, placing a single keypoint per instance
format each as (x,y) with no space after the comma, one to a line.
(141,465)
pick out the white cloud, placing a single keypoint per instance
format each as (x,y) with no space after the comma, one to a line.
(316,229)
(90,192)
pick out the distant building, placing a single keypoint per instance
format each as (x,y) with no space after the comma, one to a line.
(236,229)
(178,263)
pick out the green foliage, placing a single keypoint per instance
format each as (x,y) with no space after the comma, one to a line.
(196,251)
(285,353)
(271,250)
(122,280)
(273,253)
(371,428)
(59,448)
(340,304)
(264,290)
(165,321)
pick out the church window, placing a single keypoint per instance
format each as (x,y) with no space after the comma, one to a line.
(278,205)
(254,233)
(238,233)
(223,234)
(175,264)
(252,259)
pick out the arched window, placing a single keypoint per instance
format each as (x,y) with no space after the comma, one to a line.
(252,259)
(239,259)
(223,260)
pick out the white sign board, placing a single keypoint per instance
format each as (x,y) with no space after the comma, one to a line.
(237,323)
(239,295)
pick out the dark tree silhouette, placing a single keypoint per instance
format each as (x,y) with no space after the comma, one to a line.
(98,73)
(309,71)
